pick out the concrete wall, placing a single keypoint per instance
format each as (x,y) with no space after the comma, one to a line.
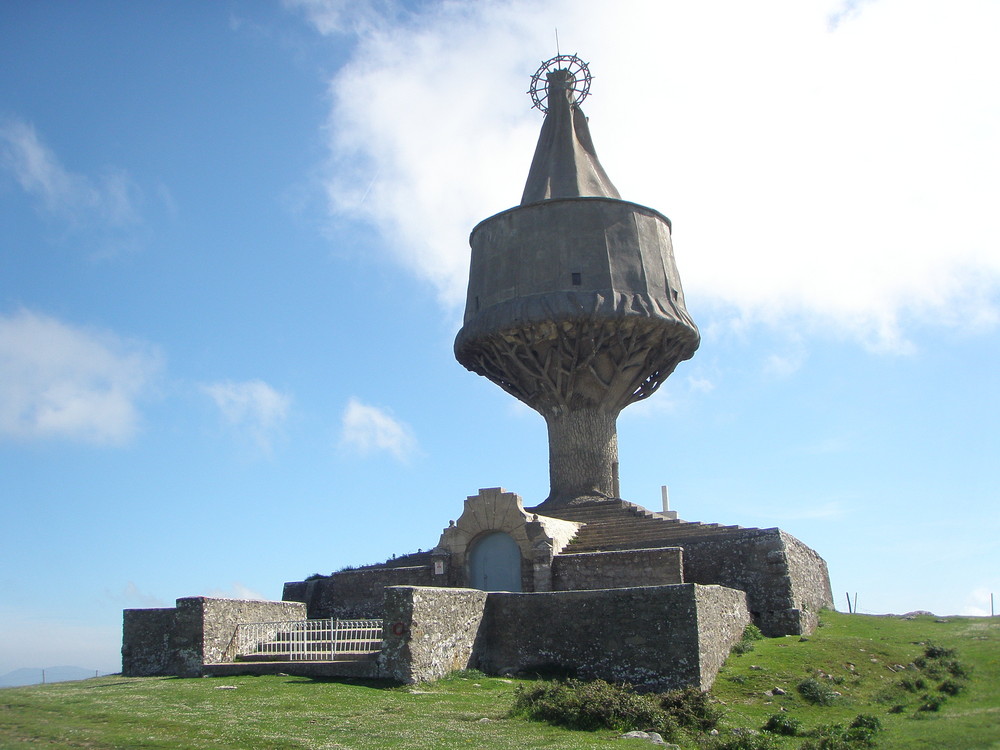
(197,631)
(354,594)
(785,581)
(429,632)
(662,637)
(608,570)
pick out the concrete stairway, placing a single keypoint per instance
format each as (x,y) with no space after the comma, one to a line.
(620,525)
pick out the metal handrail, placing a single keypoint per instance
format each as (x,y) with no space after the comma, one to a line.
(307,640)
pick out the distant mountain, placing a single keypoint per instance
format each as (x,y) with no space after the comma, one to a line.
(28,676)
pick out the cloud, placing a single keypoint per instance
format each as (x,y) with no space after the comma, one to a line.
(60,381)
(826,169)
(978,603)
(237,590)
(338,17)
(253,406)
(133,597)
(108,203)
(367,429)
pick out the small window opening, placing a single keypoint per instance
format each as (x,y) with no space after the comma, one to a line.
(577,278)
(477,303)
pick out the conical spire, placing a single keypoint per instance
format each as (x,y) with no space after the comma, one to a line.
(565,164)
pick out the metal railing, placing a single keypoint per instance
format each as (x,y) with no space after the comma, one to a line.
(307,640)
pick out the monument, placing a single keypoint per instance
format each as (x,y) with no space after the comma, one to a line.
(575,307)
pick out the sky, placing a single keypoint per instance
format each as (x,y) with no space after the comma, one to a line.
(233,259)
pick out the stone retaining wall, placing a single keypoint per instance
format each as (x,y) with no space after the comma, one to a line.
(354,594)
(661,637)
(608,570)
(197,631)
(785,581)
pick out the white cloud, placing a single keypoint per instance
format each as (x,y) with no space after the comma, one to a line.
(367,429)
(978,602)
(335,17)
(253,406)
(237,590)
(108,202)
(826,165)
(59,381)
(699,384)
(131,596)
(784,365)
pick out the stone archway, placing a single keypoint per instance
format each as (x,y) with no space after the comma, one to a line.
(495,563)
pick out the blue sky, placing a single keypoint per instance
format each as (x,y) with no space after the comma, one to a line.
(233,253)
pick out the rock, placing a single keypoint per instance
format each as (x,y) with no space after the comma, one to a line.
(803,638)
(778,691)
(484,720)
(714,733)
(653,737)
(225,687)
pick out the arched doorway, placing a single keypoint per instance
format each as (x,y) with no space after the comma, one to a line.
(495,563)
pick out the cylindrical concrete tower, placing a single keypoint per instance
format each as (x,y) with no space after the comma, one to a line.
(575,305)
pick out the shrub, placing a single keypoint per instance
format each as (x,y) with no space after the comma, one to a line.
(690,708)
(931,703)
(783,724)
(933,651)
(750,634)
(592,705)
(860,734)
(867,721)
(913,686)
(951,687)
(816,692)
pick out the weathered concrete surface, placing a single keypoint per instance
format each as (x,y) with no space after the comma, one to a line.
(197,631)
(354,594)
(621,569)
(661,637)
(429,632)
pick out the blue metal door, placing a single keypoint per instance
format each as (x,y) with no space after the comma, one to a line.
(495,563)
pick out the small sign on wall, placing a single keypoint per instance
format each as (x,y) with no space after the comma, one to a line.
(439,567)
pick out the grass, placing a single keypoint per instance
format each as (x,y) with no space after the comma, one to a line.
(854,655)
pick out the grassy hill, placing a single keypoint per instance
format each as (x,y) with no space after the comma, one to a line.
(875,665)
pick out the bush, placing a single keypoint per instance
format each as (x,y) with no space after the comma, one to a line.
(750,634)
(860,734)
(933,651)
(690,708)
(592,705)
(951,687)
(816,692)
(867,721)
(783,725)
(931,703)
(913,686)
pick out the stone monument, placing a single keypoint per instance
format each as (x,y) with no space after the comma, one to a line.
(575,305)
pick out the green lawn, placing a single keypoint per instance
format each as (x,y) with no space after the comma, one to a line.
(852,654)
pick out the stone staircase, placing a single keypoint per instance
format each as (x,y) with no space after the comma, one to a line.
(620,525)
